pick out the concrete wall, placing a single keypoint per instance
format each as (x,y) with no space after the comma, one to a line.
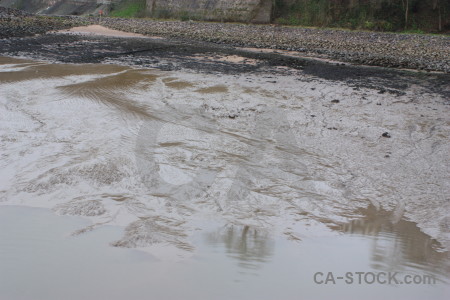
(255,11)
(56,7)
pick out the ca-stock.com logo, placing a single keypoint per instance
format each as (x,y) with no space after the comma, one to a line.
(359,278)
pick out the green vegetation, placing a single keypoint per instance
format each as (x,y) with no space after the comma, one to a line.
(381,15)
(129,9)
(138,9)
(19,4)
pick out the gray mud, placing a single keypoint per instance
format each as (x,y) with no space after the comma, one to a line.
(166,137)
(158,151)
(204,57)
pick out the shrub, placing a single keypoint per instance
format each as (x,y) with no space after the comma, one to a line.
(184,16)
(129,9)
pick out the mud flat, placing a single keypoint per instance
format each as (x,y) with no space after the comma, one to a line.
(98,30)
(164,138)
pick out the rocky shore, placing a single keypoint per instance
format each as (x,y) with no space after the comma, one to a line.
(17,23)
(424,52)
(411,51)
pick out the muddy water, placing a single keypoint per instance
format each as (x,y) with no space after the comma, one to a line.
(269,181)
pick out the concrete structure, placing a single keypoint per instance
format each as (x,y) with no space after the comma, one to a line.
(254,11)
(251,11)
(58,7)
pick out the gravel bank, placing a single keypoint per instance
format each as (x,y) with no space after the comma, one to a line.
(10,12)
(17,23)
(423,52)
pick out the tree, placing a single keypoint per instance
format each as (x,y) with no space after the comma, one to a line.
(406,9)
(437,5)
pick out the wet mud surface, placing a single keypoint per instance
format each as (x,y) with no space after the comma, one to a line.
(172,55)
(166,137)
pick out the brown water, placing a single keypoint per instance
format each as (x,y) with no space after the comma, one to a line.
(267,183)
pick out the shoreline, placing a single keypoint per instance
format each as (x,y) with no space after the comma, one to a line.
(391,50)
(90,44)
(395,51)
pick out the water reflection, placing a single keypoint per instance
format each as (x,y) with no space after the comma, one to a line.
(250,247)
(384,241)
(397,245)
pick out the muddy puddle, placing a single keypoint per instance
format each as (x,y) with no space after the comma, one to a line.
(265,182)
(230,262)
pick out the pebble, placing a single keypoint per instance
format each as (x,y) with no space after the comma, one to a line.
(413,51)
